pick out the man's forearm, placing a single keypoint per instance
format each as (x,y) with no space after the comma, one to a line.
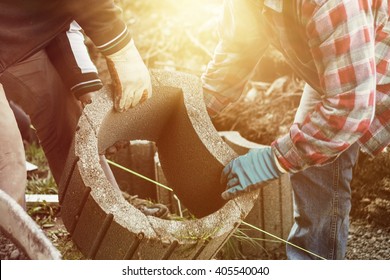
(242,43)
(102,22)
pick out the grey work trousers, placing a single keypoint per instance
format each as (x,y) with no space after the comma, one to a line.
(35,85)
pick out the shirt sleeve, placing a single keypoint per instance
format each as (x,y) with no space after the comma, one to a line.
(342,42)
(242,42)
(102,22)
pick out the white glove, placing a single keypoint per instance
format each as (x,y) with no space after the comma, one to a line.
(130,76)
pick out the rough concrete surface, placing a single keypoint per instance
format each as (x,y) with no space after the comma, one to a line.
(192,155)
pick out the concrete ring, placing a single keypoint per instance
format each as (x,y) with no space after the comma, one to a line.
(192,155)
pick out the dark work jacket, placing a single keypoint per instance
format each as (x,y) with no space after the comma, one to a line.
(26,26)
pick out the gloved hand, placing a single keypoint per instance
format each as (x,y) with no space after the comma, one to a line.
(131,78)
(249,172)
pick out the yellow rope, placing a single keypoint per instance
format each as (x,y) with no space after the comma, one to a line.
(245,223)
(139,175)
(150,180)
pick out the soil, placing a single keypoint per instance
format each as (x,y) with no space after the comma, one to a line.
(10,251)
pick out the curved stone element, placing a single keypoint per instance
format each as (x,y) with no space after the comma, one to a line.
(24,232)
(191,152)
(192,155)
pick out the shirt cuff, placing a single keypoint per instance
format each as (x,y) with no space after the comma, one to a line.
(287,155)
(115,44)
(280,168)
(215,103)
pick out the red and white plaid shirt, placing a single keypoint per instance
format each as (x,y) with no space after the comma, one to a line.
(341,48)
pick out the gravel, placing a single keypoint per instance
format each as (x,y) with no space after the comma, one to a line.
(10,251)
(368,242)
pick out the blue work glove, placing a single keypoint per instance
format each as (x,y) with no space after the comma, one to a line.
(249,172)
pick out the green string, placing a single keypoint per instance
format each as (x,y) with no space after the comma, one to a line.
(280,239)
(245,223)
(150,180)
(139,175)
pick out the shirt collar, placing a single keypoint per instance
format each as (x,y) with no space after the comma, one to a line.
(276,5)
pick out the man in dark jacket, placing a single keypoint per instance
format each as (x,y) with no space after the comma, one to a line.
(27,29)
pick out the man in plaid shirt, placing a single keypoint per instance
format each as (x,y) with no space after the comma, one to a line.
(341,49)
